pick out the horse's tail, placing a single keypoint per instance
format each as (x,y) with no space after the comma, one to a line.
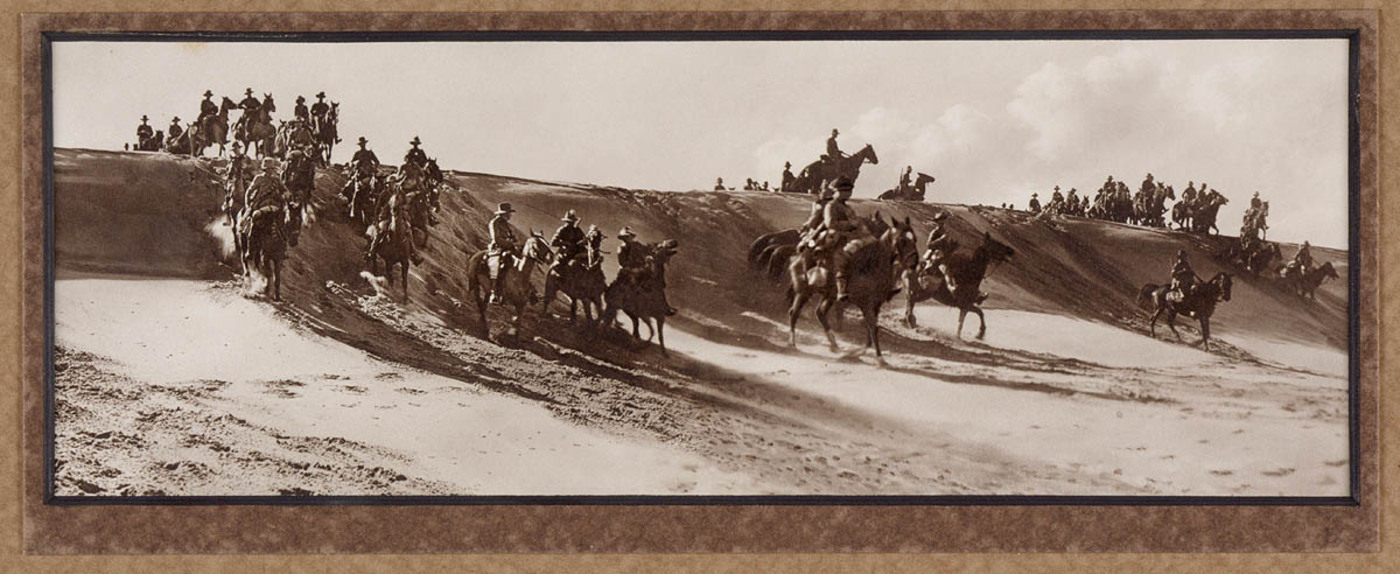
(1145,294)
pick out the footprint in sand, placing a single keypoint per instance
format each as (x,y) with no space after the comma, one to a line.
(1222,472)
(1278,472)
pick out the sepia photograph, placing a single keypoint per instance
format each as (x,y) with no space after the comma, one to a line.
(706,268)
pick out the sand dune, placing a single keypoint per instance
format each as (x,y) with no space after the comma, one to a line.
(1067,395)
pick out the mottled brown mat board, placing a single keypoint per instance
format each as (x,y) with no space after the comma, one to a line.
(674,526)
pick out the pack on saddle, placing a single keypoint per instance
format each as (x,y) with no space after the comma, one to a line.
(1302,262)
(837,237)
(363,167)
(940,246)
(503,250)
(571,244)
(266,200)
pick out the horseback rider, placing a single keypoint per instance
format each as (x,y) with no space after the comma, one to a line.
(319,111)
(632,261)
(1183,277)
(719,184)
(788,178)
(1189,195)
(207,109)
(300,112)
(299,177)
(144,132)
(175,130)
(1303,260)
(265,196)
(842,235)
(906,182)
(833,151)
(415,154)
(569,240)
(250,106)
(363,166)
(1034,205)
(502,250)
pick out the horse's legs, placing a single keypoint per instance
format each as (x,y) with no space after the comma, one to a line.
(1171,322)
(822,310)
(403,271)
(635,333)
(1205,333)
(661,334)
(981,322)
(1152,327)
(275,282)
(799,300)
(872,330)
(962,314)
(911,282)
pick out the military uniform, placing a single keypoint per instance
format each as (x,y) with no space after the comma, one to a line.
(266,193)
(319,111)
(144,132)
(251,106)
(1303,260)
(1183,277)
(502,249)
(1034,205)
(364,164)
(787,178)
(300,112)
(207,108)
(569,240)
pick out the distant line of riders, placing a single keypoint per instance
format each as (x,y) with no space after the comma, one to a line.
(312,129)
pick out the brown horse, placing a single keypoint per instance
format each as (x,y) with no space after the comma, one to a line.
(393,249)
(967,273)
(872,283)
(916,193)
(325,134)
(642,294)
(757,259)
(1199,304)
(266,235)
(581,280)
(518,292)
(818,173)
(258,133)
(1306,284)
(212,130)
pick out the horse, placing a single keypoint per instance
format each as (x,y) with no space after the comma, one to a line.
(916,193)
(1199,304)
(1204,215)
(581,280)
(325,134)
(394,249)
(641,294)
(258,133)
(515,284)
(967,273)
(213,130)
(152,143)
(874,269)
(236,183)
(756,249)
(266,235)
(1257,260)
(816,175)
(179,145)
(1306,284)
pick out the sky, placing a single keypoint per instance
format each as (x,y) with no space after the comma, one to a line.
(993,121)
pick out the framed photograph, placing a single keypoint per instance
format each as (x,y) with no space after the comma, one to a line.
(703,282)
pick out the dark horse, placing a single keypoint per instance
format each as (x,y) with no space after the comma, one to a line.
(818,173)
(966,272)
(212,130)
(1306,284)
(325,134)
(394,250)
(641,294)
(267,233)
(1200,304)
(516,282)
(874,268)
(581,280)
(257,133)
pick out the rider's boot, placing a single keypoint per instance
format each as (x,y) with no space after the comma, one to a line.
(496,287)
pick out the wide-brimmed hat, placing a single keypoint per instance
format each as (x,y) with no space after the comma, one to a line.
(363,141)
(1035,195)
(504,208)
(248,92)
(1256,194)
(834,131)
(415,141)
(175,119)
(570,217)
(320,94)
(144,118)
(787,164)
(208,93)
(844,184)
(625,233)
(300,99)
(269,163)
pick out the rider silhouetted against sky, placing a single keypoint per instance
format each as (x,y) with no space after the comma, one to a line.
(991,119)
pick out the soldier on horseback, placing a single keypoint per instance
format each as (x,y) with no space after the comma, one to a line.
(300,112)
(265,195)
(786,184)
(1302,261)
(719,184)
(299,178)
(906,182)
(569,240)
(144,133)
(319,110)
(940,244)
(175,130)
(1071,202)
(1034,205)
(415,154)
(842,236)
(502,250)
(632,260)
(1183,277)
(363,167)
(250,106)
(207,109)
(236,177)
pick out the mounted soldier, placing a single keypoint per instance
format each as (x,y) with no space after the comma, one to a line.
(250,106)
(1071,202)
(719,184)
(265,196)
(833,151)
(415,154)
(299,136)
(300,179)
(319,110)
(1189,195)
(502,250)
(175,131)
(237,174)
(300,112)
(786,184)
(906,182)
(1034,205)
(1302,261)
(569,240)
(207,110)
(363,167)
(633,260)
(843,235)
(144,133)
(940,245)
(1183,277)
